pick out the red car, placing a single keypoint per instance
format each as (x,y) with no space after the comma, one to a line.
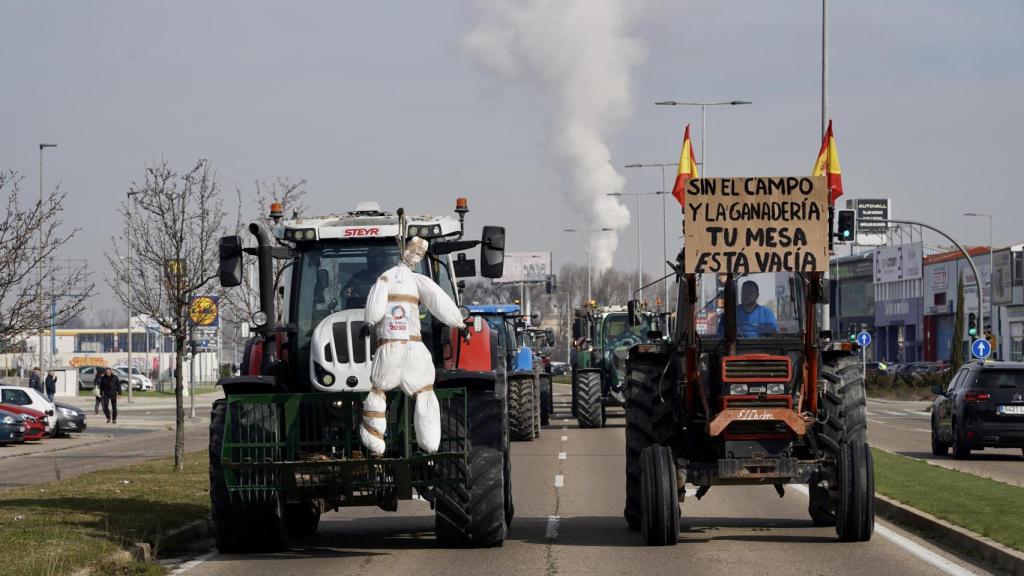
(35,421)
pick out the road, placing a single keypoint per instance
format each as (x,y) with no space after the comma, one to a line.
(569,490)
(905,428)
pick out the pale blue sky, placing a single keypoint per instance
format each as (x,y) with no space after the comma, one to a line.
(379,101)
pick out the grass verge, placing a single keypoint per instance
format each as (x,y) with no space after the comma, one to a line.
(57,527)
(983,506)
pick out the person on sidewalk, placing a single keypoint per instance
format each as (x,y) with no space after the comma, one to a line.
(97,393)
(35,381)
(51,385)
(110,388)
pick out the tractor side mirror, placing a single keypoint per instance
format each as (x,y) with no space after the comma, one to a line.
(937,389)
(230,269)
(633,311)
(492,252)
(549,335)
(464,267)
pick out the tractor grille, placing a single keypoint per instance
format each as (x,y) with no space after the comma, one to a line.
(756,368)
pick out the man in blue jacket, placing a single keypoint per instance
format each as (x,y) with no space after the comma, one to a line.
(752,319)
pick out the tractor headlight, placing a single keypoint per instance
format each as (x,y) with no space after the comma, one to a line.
(776,388)
(739,389)
(259,318)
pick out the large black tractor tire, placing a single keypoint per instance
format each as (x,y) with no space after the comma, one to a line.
(546,400)
(573,387)
(538,408)
(820,505)
(843,436)
(650,420)
(240,527)
(302,519)
(509,505)
(521,408)
(589,407)
(659,496)
(473,514)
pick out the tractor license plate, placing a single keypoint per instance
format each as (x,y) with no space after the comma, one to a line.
(1011,410)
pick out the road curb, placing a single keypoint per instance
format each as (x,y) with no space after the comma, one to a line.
(99,440)
(960,539)
(190,532)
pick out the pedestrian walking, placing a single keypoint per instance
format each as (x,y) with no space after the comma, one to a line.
(35,381)
(97,393)
(110,388)
(51,385)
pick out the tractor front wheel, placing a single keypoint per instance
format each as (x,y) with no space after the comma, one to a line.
(521,408)
(659,519)
(589,407)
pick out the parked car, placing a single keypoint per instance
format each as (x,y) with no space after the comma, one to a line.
(87,377)
(12,427)
(35,421)
(31,398)
(983,407)
(139,380)
(559,368)
(69,419)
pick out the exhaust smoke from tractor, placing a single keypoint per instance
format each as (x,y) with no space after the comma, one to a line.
(580,53)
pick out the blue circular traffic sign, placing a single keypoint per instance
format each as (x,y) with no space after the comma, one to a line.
(864,338)
(980,348)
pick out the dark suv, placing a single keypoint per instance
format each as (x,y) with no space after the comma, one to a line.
(982,407)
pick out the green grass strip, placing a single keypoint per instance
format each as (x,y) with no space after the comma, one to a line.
(59,526)
(983,506)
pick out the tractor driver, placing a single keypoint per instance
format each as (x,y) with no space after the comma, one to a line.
(378,259)
(752,319)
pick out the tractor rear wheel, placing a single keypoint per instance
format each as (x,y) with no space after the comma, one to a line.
(843,435)
(240,527)
(650,420)
(521,408)
(302,519)
(659,497)
(538,407)
(473,514)
(589,407)
(546,404)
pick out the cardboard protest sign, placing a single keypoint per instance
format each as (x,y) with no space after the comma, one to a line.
(752,225)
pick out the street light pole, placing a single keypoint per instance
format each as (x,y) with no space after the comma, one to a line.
(128,219)
(639,244)
(39,251)
(703,121)
(589,232)
(664,227)
(991,272)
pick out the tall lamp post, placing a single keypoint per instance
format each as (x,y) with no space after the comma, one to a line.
(639,243)
(588,232)
(703,120)
(128,208)
(39,251)
(664,228)
(991,271)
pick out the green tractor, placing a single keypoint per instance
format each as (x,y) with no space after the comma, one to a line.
(603,337)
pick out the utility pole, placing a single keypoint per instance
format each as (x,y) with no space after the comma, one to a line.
(39,251)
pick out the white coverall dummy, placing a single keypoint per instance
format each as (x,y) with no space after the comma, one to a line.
(393,309)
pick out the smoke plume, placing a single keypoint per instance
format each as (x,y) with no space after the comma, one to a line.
(580,54)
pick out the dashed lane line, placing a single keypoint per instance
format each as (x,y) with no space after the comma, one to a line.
(559,480)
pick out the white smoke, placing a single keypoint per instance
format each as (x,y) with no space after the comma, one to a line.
(580,54)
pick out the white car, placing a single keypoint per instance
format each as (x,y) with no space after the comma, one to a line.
(139,380)
(30,398)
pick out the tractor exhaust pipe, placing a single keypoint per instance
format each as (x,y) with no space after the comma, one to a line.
(264,256)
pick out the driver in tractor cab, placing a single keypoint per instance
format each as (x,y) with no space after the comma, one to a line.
(752,319)
(378,259)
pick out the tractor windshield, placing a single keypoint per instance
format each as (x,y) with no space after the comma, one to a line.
(616,331)
(767,305)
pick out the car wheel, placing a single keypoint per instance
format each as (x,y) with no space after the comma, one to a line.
(960,449)
(938,447)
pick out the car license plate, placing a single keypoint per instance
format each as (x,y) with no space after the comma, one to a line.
(1012,410)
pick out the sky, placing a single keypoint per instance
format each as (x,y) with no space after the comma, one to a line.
(393,102)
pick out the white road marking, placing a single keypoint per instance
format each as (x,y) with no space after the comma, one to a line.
(193,563)
(559,480)
(875,421)
(565,438)
(921,413)
(561,455)
(890,413)
(552,529)
(923,430)
(909,545)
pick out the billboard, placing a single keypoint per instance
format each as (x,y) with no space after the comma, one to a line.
(1002,286)
(895,263)
(526,267)
(872,220)
(751,225)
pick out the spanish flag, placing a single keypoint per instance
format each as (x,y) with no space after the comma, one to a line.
(828,166)
(687,168)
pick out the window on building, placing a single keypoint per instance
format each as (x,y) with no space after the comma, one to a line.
(940,299)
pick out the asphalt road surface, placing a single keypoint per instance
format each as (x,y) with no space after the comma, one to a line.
(905,428)
(569,489)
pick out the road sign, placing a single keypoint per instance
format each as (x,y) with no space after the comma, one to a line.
(864,338)
(203,311)
(980,348)
(872,220)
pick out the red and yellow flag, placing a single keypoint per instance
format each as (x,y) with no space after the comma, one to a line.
(828,166)
(687,168)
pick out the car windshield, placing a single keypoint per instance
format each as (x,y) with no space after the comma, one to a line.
(1000,379)
(767,305)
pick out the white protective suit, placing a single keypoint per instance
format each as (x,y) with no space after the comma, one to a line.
(393,309)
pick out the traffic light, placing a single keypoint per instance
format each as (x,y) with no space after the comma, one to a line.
(550,284)
(972,325)
(853,332)
(845,225)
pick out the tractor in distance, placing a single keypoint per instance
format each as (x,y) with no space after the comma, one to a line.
(754,393)
(284,441)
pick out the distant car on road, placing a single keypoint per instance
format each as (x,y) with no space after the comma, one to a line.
(35,421)
(983,407)
(69,419)
(30,398)
(12,427)
(139,380)
(87,377)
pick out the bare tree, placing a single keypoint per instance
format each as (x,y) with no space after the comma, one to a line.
(168,254)
(30,238)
